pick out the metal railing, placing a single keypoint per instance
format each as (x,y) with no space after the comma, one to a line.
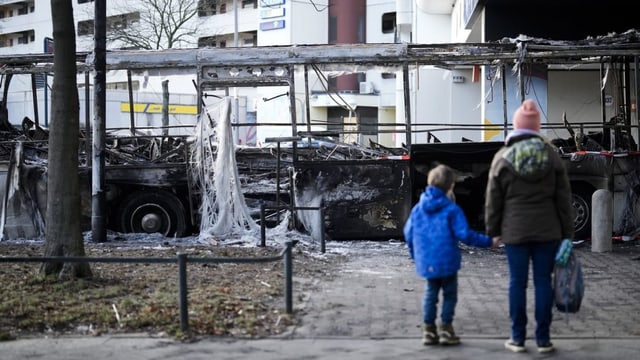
(181,260)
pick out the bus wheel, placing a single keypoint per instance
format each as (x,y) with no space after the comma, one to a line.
(153,212)
(581,201)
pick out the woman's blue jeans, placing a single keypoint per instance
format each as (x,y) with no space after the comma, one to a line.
(449,286)
(542,257)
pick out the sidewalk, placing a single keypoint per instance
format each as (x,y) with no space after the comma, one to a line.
(145,348)
(372,310)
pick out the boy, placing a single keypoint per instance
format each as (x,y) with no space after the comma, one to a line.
(432,232)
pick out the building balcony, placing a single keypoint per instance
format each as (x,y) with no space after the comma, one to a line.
(12,9)
(225,23)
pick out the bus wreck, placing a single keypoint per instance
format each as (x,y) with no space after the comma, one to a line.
(366,189)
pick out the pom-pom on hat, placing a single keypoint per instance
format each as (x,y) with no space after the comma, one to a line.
(527,116)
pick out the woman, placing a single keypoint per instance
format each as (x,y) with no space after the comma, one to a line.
(528,205)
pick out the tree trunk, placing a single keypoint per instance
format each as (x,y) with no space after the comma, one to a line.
(64,234)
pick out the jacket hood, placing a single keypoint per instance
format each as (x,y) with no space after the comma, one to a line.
(433,199)
(528,157)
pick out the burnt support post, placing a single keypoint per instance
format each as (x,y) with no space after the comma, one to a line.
(278,140)
(132,118)
(288,274)
(323,246)
(407,103)
(165,107)
(98,199)
(183,292)
(34,94)
(263,225)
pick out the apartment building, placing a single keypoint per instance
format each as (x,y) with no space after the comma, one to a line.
(458,95)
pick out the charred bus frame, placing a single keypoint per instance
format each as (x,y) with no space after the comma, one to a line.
(237,67)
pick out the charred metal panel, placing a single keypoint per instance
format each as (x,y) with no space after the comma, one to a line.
(471,161)
(368,199)
(154,175)
(592,168)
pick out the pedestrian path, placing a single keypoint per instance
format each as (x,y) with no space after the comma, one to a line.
(378,295)
(372,310)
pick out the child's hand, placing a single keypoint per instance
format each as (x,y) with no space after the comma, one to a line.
(496,241)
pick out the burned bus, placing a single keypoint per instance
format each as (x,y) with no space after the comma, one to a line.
(365,186)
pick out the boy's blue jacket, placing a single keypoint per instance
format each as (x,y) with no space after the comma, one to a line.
(432,232)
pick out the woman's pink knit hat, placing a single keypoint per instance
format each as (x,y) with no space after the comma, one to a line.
(527,116)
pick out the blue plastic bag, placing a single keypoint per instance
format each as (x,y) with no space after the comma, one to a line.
(562,256)
(568,281)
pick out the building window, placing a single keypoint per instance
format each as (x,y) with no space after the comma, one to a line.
(123,85)
(333,29)
(85,27)
(24,10)
(249,4)
(361,30)
(123,21)
(26,37)
(207,7)
(208,41)
(389,23)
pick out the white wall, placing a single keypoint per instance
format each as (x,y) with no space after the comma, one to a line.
(39,21)
(375,10)
(431,29)
(465,105)
(430,101)
(305,24)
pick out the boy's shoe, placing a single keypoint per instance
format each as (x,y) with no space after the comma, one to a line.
(429,334)
(448,336)
(515,346)
(546,348)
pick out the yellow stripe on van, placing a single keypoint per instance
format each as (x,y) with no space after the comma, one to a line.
(152,108)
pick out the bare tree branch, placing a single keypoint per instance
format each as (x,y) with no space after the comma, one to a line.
(153,24)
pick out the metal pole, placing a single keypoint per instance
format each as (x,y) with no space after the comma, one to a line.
(87,116)
(235,23)
(34,92)
(407,102)
(98,203)
(294,120)
(182,292)
(165,107)
(627,103)
(132,119)
(288,292)
(262,226)
(520,82)
(307,109)
(278,183)
(236,101)
(46,100)
(323,247)
(504,101)
(636,70)
(292,201)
